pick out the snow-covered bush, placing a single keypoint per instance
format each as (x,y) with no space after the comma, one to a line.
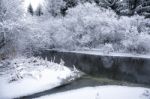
(11,31)
(20,67)
(24,37)
(89,26)
(84,26)
(10,9)
(10,12)
(33,75)
(139,44)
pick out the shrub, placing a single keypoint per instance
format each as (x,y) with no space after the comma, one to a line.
(84,26)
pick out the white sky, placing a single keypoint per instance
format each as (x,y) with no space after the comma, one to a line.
(34,3)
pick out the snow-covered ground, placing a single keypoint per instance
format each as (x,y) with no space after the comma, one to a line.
(24,76)
(103,92)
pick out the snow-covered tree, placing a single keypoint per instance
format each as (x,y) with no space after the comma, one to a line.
(113,4)
(39,11)
(2,10)
(2,38)
(10,13)
(30,9)
(109,3)
(54,6)
(144,8)
(130,6)
(71,3)
(11,9)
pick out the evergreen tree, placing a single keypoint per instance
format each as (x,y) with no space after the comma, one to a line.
(144,8)
(39,11)
(71,3)
(2,10)
(2,39)
(141,7)
(56,7)
(113,4)
(30,10)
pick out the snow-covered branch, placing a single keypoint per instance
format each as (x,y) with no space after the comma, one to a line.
(110,2)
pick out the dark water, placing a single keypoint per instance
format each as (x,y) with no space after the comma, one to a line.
(132,69)
(103,70)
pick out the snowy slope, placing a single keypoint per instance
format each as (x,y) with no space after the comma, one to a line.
(103,92)
(31,75)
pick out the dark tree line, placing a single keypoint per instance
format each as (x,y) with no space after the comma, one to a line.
(2,11)
(127,7)
(38,11)
(121,7)
(2,38)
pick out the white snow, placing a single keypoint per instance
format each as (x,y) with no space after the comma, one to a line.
(103,92)
(32,75)
(91,52)
(101,53)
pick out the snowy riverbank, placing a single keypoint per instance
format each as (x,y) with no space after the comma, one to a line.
(24,76)
(103,92)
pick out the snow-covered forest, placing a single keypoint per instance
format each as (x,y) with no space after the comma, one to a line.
(107,25)
(30,26)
